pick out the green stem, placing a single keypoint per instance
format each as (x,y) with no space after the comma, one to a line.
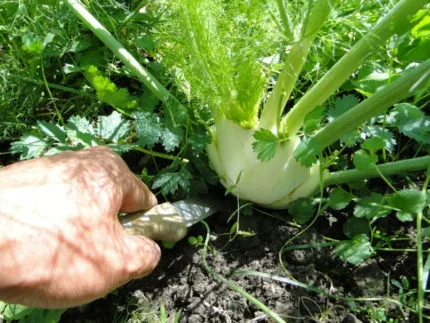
(118,49)
(398,20)
(420,270)
(232,285)
(316,15)
(158,154)
(285,20)
(53,86)
(45,82)
(393,168)
(400,89)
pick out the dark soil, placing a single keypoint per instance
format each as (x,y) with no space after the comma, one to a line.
(181,281)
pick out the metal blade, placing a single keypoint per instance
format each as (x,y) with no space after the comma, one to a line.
(169,221)
(194,210)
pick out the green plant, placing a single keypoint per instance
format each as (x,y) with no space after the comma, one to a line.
(285,98)
(255,156)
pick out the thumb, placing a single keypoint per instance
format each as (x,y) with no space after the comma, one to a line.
(137,196)
(143,255)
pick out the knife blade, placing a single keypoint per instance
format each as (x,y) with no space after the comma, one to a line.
(169,221)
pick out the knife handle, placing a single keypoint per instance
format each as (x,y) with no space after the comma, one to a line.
(162,222)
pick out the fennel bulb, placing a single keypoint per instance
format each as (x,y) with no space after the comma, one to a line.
(273,183)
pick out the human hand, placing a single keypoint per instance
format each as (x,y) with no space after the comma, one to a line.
(61,244)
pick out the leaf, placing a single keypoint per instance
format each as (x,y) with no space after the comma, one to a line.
(265,144)
(199,141)
(29,146)
(302,209)
(373,144)
(32,44)
(339,198)
(411,121)
(80,140)
(112,127)
(363,160)
(370,207)
(121,148)
(370,79)
(53,131)
(380,132)
(38,315)
(176,114)
(171,139)
(355,226)
(313,119)
(108,92)
(14,311)
(341,105)
(308,151)
(148,129)
(356,250)
(80,124)
(407,203)
(145,42)
(170,182)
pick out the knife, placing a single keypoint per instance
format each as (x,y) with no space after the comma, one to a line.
(169,221)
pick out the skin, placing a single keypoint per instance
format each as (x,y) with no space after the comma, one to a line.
(61,244)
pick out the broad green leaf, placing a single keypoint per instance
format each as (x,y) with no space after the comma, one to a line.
(112,127)
(372,78)
(32,44)
(407,203)
(148,129)
(355,226)
(80,139)
(313,120)
(121,148)
(80,124)
(29,146)
(265,144)
(339,198)
(199,141)
(373,144)
(411,121)
(355,250)
(108,92)
(170,139)
(38,315)
(370,207)
(302,209)
(422,28)
(363,160)
(341,105)
(145,42)
(14,311)
(53,131)
(170,182)
(308,151)
(371,131)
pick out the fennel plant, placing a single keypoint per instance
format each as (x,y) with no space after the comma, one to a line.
(259,150)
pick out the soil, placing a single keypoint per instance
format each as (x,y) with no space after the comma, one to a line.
(181,282)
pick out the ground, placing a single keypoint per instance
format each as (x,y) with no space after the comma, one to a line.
(181,281)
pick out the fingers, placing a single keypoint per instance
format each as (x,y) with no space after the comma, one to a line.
(143,255)
(137,196)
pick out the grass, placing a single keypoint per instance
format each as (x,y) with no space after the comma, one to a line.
(52,68)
